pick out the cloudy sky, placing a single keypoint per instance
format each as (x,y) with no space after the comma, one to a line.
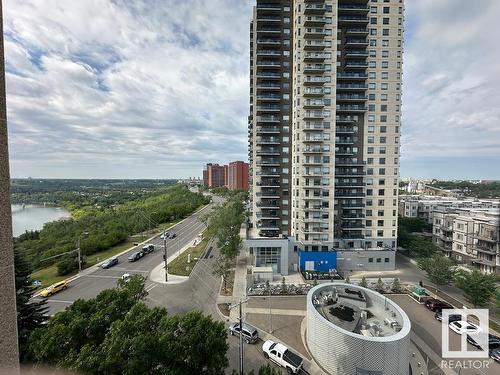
(157,88)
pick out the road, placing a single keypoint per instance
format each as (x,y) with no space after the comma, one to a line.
(199,292)
(95,279)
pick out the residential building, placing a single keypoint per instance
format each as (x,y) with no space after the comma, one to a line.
(470,236)
(237,175)
(213,175)
(324,125)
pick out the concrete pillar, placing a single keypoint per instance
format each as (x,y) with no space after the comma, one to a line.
(9,356)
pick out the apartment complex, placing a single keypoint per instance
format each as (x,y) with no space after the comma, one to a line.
(470,236)
(237,175)
(423,206)
(324,124)
(233,176)
(214,175)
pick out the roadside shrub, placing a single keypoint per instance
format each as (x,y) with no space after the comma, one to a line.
(66,266)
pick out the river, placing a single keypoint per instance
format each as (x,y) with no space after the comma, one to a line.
(32,217)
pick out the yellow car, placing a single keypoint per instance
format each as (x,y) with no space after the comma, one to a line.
(54,288)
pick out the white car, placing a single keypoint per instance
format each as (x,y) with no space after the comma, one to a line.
(462,327)
(126,277)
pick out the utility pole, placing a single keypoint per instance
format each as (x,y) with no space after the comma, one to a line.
(240,319)
(165,254)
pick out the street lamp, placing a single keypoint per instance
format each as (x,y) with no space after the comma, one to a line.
(165,254)
(84,233)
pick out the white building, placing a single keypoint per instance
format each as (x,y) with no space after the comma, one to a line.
(354,330)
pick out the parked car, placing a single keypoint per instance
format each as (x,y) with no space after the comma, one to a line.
(173,235)
(493,341)
(462,327)
(265,233)
(495,354)
(54,288)
(149,248)
(434,304)
(135,256)
(109,263)
(279,354)
(451,318)
(250,334)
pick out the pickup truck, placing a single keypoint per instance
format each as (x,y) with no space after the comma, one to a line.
(279,354)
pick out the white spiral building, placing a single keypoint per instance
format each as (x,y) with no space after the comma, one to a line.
(353,330)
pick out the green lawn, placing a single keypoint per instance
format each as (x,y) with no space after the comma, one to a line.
(48,275)
(180,266)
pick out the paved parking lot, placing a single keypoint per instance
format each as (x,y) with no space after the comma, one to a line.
(428,329)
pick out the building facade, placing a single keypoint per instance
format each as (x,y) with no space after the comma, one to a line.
(214,175)
(237,175)
(324,123)
(470,236)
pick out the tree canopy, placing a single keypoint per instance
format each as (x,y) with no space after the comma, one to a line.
(478,288)
(439,269)
(116,333)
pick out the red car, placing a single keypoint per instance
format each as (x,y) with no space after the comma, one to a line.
(434,304)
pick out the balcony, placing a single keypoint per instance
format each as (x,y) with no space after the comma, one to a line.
(268,75)
(352,42)
(314,8)
(345,151)
(269,30)
(268,173)
(268,52)
(351,76)
(266,41)
(345,130)
(356,54)
(314,91)
(268,162)
(317,125)
(483,237)
(349,194)
(268,108)
(314,68)
(269,152)
(268,141)
(356,65)
(351,87)
(273,183)
(353,31)
(485,249)
(318,103)
(269,97)
(352,20)
(315,80)
(353,206)
(268,19)
(268,194)
(268,119)
(350,184)
(314,20)
(268,130)
(351,98)
(314,32)
(315,44)
(268,7)
(268,86)
(267,205)
(345,120)
(314,56)
(343,162)
(345,140)
(352,9)
(313,150)
(312,139)
(314,115)
(269,64)
(351,108)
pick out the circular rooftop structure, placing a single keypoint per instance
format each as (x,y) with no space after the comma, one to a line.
(354,330)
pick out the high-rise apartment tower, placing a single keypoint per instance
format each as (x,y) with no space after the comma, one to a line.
(324,127)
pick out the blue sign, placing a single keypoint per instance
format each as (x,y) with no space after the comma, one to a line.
(322,261)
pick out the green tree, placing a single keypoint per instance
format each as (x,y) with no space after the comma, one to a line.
(396,285)
(30,315)
(363,282)
(115,333)
(420,246)
(478,288)
(439,269)
(380,287)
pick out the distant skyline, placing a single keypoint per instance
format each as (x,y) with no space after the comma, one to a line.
(137,89)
